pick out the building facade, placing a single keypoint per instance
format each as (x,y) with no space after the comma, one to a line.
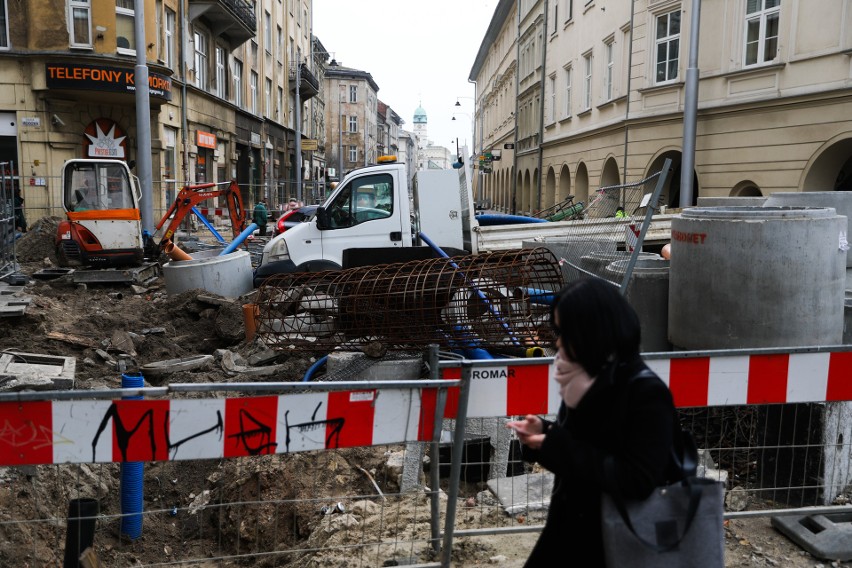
(773,111)
(222,92)
(351,118)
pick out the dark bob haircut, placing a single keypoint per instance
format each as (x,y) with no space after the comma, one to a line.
(596,324)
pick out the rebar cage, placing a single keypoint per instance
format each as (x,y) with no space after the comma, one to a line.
(497,300)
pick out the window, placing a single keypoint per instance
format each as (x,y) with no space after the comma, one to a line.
(4,25)
(267,32)
(280,104)
(253,89)
(238,83)
(353,124)
(608,70)
(567,104)
(125,31)
(667,47)
(551,109)
(170,164)
(373,199)
(570,12)
(200,60)
(80,24)
(158,25)
(587,81)
(268,97)
(169,56)
(221,61)
(761,32)
(353,93)
(353,153)
(279,46)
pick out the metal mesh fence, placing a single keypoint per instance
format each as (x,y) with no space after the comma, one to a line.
(605,240)
(497,300)
(9,220)
(387,504)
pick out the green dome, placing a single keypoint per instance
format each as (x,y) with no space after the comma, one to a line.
(420,115)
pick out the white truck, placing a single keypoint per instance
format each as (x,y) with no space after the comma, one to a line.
(375,217)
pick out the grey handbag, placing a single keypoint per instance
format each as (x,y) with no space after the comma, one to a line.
(677,526)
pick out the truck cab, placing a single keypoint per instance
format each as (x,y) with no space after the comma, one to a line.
(365,211)
(375,213)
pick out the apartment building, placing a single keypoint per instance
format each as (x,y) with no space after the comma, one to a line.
(351,118)
(222,91)
(773,109)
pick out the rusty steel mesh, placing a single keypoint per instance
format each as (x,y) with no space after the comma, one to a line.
(496,300)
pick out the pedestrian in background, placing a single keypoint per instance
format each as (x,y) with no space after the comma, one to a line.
(20,218)
(261,216)
(614,409)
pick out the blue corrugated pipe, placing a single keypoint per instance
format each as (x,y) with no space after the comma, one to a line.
(309,374)
(131,475)
(239,240)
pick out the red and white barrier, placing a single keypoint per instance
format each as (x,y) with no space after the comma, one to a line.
(88,431)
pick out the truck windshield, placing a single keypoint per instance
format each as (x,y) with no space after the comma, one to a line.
(373,199)
(93,186)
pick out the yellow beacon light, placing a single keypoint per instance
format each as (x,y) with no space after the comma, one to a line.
(387,159)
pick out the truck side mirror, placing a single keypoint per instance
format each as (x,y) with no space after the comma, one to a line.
(323,221)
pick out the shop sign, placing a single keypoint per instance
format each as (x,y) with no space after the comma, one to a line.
(102,78)
(309,145)
(104,139)
(205,139)
(31,121)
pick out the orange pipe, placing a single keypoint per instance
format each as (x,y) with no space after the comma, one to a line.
(174,252)
(250,313)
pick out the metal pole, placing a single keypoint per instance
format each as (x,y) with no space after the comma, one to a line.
(455,464)
(298,127)
(690,110)
(514,181)
(434,451)
(339,132)
(143,120)
(541,110)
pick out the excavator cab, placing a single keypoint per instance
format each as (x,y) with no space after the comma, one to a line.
(103,226)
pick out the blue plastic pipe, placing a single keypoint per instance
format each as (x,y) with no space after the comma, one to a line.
(131,475)
(487,219)
(309,374)
(239,240)
(209,226)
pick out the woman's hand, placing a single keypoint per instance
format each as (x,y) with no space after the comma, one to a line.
(574,381)
(530,431)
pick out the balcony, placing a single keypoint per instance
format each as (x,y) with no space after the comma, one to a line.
(308,85)
(232,20)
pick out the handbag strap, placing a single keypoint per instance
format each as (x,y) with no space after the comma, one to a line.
(685,456)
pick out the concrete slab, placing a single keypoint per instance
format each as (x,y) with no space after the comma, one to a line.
(36,371)
(11,306)
(523,493)
(132,275)
(357,366)
(51,273)
(11,290)
(824,536)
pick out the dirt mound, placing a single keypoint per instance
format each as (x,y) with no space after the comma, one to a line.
(37,243)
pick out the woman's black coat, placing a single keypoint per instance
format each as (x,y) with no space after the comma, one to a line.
(626,416)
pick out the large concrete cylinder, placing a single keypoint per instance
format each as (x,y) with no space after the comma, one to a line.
(840,200)
(229,275)
(750,201)
(648,293)
(745,277)
(597,262)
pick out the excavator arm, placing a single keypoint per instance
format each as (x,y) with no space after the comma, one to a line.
(191,195)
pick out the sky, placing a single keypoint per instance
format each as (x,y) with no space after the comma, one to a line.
(419,54)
